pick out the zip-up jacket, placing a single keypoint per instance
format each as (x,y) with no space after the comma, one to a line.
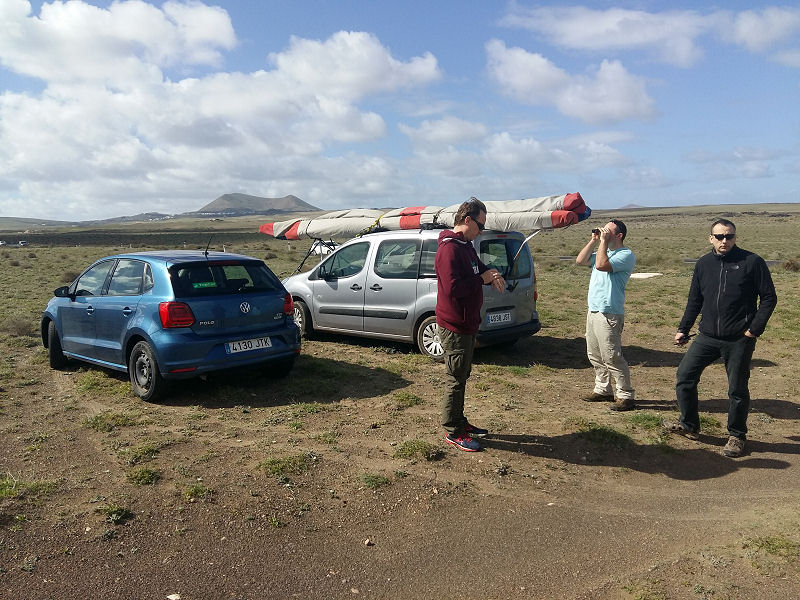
(459,284)
(725,289)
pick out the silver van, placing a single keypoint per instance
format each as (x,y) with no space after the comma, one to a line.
(383,285)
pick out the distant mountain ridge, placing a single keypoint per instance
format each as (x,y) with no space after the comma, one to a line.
(227,205)
(247,204)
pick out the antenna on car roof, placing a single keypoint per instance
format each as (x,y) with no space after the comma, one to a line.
(205,252)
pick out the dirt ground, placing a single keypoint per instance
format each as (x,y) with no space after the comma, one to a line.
(567,499)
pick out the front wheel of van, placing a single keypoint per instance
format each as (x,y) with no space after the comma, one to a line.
(302,317)
(428,341)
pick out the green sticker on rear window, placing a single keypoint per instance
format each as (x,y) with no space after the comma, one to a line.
(204,284)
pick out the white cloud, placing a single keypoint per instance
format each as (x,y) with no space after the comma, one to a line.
(448,130)
(672,36)
(759,31)
(349,65)
(789,58)
(109,125)
(608,94)
(74,41)
(739,163)
(646,177)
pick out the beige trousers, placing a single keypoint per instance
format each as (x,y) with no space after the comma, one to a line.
(604,349)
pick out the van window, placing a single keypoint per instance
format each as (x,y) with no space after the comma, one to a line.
(427,267)
(397,259)
(347,261)
(499,254)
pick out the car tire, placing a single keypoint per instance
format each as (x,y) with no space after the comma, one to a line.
(145,376)
(55,353)
(302,316)
(427,339)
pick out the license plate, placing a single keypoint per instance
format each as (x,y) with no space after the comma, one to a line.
(499,317)
(245,345)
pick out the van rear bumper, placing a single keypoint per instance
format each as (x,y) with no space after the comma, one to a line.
(507,334)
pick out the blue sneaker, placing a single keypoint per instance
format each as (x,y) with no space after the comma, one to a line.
(473,431)
(462,442)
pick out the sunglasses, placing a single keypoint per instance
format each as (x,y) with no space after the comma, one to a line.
(480,225)
(724,236)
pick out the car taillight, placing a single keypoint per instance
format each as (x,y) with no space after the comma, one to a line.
(175,314)
(288,305)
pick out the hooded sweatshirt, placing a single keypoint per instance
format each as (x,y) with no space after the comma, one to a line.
(460,294)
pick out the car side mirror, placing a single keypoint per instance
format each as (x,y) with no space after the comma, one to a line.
(322,273)
(62,292)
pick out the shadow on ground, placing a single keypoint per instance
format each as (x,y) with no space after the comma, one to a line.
(570,353)
(333,381)
(772,407)
(703,462)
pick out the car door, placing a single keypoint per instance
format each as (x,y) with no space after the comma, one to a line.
(116,307)
(391,294)
(517,305)
(78,320)
(338,289)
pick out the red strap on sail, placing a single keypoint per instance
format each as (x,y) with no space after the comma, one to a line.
(291,233)
(410,217)
(575,203)
(562,218)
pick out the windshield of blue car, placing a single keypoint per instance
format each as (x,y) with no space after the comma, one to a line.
(217,278)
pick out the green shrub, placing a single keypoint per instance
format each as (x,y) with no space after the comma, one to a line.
(418,448)
(144,476)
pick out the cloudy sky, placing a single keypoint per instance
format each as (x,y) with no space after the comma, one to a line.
(116,108)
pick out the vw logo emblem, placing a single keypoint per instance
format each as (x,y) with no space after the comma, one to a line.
(245,307)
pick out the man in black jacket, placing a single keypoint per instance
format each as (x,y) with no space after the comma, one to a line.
(733,290)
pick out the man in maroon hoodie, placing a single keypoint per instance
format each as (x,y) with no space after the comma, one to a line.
(461,275)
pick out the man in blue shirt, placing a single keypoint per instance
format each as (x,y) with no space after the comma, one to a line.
(612,265)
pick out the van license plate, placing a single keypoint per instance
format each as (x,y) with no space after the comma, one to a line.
(245,345)
(500,317)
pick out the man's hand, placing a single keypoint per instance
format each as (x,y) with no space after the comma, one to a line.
(492,277)
(681,338)
(606,235)
(748,334)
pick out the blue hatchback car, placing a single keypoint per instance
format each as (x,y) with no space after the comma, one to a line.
(172,314)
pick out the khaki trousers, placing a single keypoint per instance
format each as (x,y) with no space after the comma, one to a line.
(604,349)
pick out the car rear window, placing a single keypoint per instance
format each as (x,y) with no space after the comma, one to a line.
(219,278)
(500,254)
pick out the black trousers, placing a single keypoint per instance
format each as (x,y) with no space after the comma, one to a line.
(736,355)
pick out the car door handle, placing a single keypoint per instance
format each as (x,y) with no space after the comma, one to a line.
(355,287)
(89,310)
(375,287)
(127,311)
